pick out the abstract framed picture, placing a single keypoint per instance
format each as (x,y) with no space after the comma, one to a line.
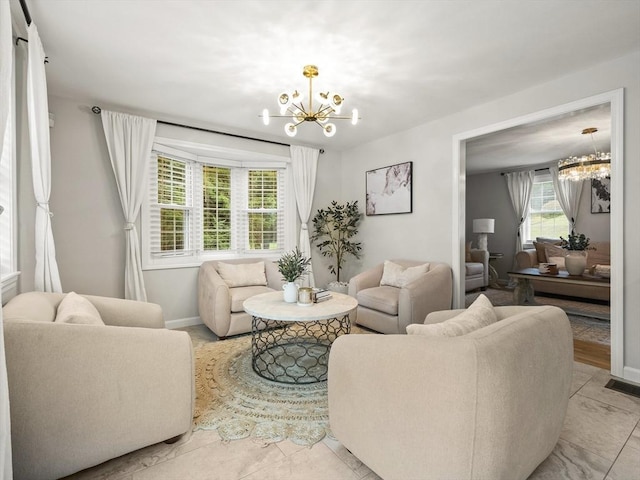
(389,189)
(601,195)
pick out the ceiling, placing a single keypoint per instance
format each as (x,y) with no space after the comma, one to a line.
(217,64)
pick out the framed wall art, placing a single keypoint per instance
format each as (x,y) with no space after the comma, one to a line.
(389,189)
(601,195)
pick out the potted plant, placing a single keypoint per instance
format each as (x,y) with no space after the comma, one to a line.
(292,266)
(333,230)
(576,259)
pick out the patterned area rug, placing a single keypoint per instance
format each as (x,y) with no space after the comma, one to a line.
(589,321)
(232,399)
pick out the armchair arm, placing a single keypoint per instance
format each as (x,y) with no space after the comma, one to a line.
(127,313)
(368,279)
(82,394)
(378,408)
(482,256)
(214,301)
(429,293)
(527,258)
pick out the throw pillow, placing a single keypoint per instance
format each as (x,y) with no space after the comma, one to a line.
(552,251)
(395,275)
(540,245)
(467,252)
(559,261)
(479,314)
(78,310)
(242,274)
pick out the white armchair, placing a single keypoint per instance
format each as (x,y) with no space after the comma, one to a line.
(390,309)
(220,302)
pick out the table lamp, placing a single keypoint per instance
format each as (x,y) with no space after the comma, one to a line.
(482,226)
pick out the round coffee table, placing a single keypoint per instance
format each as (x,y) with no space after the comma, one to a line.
(290,343)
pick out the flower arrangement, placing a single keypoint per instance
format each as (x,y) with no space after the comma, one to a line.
(576,242)
(293,265)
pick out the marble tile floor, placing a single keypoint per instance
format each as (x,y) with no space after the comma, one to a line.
(600,441)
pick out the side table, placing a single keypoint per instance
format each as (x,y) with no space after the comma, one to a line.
(493,273)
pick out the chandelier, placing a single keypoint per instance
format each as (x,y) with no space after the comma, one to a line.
(594,165)
(293,106)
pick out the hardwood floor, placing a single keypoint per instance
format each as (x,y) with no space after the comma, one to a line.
(592,353)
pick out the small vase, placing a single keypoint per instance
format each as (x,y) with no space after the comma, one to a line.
(290,292)
(576,262)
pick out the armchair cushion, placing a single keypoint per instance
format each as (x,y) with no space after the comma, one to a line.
(395,275)
(479,314)
(242,274)
(76,309)
(383,299)
(474,268)
(240,294)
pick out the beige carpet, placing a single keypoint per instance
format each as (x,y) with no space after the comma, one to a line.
(232,399)
(589,321)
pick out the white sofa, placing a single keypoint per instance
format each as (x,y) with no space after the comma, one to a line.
(486,405)
(83,394)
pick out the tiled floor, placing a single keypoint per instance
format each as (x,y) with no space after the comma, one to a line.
(600,441)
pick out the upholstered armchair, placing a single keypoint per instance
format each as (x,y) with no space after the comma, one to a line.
(390,308)
(81,394)
(223,286)
(476,269)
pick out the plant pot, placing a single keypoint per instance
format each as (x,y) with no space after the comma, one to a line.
(338,287)
(576,262)
(290,292)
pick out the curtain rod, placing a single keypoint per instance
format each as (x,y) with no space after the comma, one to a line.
(25,10)
(536,170)
(97,111)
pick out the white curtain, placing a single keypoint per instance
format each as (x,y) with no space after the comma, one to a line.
(520,185)
(6,99)
(568,194)
(304,166)
(130,139)
(47,277)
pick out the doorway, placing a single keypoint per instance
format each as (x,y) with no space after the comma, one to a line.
(615,100)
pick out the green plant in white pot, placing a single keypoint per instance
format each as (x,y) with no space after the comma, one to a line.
(333,230)
(576,259)
(292,265)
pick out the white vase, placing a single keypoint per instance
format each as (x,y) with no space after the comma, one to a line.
(576,262)
(290,292)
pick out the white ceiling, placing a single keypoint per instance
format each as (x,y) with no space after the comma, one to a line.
(217,64)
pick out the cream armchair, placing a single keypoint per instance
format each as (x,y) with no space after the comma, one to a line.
(476,269)
(83,394)
(389,309)
(220,305)
(486,405)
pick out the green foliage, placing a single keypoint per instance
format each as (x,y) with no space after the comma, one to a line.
(333,229)
(293,265)
(576,242)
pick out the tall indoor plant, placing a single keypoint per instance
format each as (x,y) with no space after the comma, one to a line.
(333,229)
(292,265)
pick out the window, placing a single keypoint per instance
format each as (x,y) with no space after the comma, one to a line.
(546,218)
(201,208)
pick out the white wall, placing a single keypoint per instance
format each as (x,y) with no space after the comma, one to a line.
(427,233)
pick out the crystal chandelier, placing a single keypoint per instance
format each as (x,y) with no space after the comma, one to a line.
(328,106)
(594,165)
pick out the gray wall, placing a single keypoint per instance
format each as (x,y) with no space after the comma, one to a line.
(488,197)
(427,232)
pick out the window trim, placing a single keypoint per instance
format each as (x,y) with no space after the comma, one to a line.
(224,157)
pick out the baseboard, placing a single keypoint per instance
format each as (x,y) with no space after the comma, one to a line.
(631,374)
(182,322)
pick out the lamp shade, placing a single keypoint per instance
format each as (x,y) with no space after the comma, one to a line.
(483,225)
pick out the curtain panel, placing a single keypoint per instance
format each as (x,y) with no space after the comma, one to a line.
(568,194)
(520,185)
(304,167)
(47,277)
(129,140)
(6,132)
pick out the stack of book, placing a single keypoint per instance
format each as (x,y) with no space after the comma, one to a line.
(321,294)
